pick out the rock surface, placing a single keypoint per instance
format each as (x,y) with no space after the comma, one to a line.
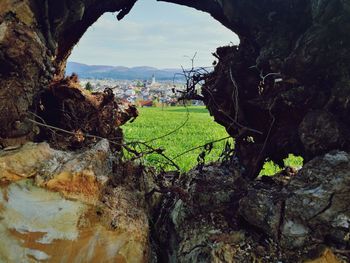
(58,207)
(197,221)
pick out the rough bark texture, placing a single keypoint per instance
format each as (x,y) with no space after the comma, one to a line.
(279,87)
(60,207)
(285,88)
(285,218)
(287,84)
(68,106)
(36,38)
(312,208)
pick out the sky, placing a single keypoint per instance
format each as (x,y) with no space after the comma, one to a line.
(155,34)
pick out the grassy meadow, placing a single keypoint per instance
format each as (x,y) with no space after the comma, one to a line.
(199,129)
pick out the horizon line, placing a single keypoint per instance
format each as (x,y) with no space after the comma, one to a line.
(180,67)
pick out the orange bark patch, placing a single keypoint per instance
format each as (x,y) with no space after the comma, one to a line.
(4,6)
(82,186)
(326,257)
(7,177)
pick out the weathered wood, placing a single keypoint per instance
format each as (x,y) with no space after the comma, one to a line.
(36,38)
(289,72)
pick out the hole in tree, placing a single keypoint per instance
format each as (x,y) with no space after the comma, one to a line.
(140,58)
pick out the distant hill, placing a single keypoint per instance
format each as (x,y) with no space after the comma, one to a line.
(142,73)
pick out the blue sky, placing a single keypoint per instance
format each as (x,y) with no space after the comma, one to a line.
(154,34)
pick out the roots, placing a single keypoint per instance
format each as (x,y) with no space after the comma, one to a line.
(86,115)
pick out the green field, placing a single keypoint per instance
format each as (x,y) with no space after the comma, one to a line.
(199,129)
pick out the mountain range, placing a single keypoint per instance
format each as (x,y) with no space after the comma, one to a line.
(124,73)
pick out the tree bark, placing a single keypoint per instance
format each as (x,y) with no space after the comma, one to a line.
(286,87)
(274,92)
(36,38)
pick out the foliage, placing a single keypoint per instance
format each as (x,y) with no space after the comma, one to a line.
(270,168)
(140,84)
(88,86)
(294,161)
(198,130)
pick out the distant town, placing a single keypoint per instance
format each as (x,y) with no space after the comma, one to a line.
(144,93)
(142,86)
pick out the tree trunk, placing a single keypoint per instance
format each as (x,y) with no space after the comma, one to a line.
(36,38)
(286,87)
(275,92)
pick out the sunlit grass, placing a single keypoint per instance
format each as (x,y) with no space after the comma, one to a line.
(198,130)
(270,168)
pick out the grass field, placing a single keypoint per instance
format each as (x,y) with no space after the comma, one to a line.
(198,130)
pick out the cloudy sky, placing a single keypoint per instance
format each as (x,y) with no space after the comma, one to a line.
(154,34)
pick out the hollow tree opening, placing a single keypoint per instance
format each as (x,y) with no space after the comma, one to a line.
(285,88)
(155,34)
(276,86)
(155,39)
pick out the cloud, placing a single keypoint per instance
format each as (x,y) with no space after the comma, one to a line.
(154,35)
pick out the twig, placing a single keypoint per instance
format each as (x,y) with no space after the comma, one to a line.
(233,122)
(72,133)
(193,77)
(43,121)
(175,130)
(269,74)
(160,152)
(200,146)
(234,95)
(126,146)
(269,131)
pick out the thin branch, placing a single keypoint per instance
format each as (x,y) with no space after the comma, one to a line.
(126,146)
(200,146)
(175,130)
(270,129)
(72,133)
(233,122)
(234,95)
(269,74)
(160,152)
